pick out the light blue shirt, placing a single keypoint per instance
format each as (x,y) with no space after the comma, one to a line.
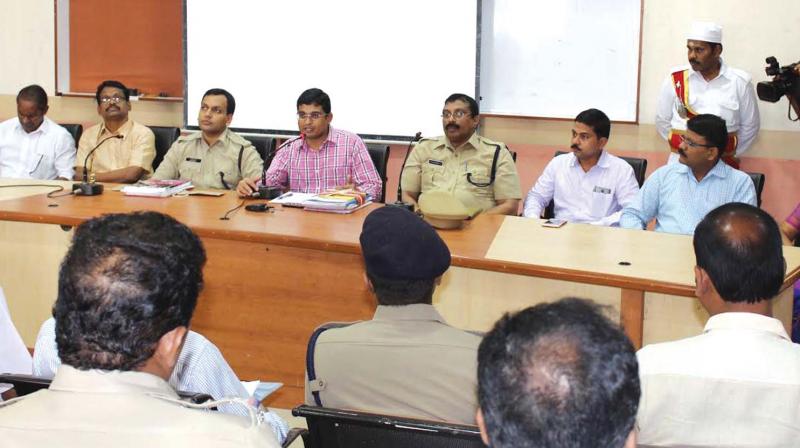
(678,202)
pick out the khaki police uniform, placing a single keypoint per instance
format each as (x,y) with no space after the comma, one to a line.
(191,158)
(406,361)
(97,408)
(435,165)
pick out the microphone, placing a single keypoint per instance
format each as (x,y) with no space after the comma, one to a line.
(265,192)
(399,202)
(87,188)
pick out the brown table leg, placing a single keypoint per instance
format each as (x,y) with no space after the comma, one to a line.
(631,317)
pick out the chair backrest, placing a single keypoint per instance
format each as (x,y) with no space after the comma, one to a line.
(758,182)
(379,153)
(639,169)
(265,147)
(165,137)
(75,130)
(28,384)
(335,428)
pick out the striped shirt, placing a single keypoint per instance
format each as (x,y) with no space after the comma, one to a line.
(678,201)
(200,369)
(342,159)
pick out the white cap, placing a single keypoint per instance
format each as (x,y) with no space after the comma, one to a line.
(706,32)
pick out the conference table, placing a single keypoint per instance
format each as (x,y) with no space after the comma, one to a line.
(271,278)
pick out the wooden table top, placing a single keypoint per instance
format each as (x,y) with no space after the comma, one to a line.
(581,253)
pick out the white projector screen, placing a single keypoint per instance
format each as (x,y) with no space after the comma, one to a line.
(387,66)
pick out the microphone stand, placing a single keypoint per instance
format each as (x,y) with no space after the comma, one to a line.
(265,192)
(87,188)
(399,202)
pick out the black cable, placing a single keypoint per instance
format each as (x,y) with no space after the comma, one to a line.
(225,217)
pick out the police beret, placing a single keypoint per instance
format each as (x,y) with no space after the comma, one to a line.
(398,245)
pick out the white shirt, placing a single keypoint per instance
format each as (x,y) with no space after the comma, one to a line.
(593,197)
(14,356)
(201,368)
(737,384)
(730,96)
(46,153)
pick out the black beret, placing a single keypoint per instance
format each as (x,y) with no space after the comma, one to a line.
(398,245)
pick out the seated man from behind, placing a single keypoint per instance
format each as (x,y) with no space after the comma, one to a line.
(406,361)
(32,146)
(678,195)
(127,290)
(589,185)
(738,383)
(321,158)
(557,375)
(479,172)
(123,149)
(215,157)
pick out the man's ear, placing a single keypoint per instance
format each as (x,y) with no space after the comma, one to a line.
(702,281)
(368,282)
(630,442)
(482,427)
(169,347)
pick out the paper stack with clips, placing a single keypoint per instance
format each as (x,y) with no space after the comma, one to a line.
(337,201)
(157,188)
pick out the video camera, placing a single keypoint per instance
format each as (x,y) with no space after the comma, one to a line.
(785,81)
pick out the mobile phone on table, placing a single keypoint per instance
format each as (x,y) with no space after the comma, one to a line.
(554,222)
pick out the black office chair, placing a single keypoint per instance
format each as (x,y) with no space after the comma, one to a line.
(28,384)
(75,130)
(265,147)
(639,169)
(335,428)
(758,182)
(379,154)
(165,137)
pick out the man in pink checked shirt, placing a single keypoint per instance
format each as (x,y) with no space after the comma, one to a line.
(321,158)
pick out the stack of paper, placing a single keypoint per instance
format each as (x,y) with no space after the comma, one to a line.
(157,188)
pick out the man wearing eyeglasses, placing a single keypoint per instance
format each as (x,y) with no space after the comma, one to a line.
(478,172)
(679,195)
(321,158)
(124,159)
(215,157)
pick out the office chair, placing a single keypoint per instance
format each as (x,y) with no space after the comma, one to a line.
(76,130)
(379,153)
(265,147)
(165,137)
(336,428)
(758,181)
(639,169)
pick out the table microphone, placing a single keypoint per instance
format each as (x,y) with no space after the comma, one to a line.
(399,202)
(87,188)
(265,192)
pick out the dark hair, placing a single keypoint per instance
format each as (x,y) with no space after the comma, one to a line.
(231,101)
(597,120)
(112,83)
(473,105)
(555,375)
(126,280)
(712,128)
(402,291)
(35,93)
(740,248)
(315,97)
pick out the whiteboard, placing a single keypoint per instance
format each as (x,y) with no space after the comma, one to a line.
(388,66)
(556,58)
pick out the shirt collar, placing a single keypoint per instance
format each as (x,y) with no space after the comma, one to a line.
(123,130)
(473,141)
(721,170)
(42,127)
(746,321)
(602,162)
(416,311)
(723,71)
(69,378)
(329,138)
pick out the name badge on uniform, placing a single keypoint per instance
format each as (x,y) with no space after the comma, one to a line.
(603,190)
(190,159)
(436,162)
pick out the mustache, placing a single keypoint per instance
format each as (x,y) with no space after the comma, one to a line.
(682,152)
(693,61)
(452,126)
(575,147)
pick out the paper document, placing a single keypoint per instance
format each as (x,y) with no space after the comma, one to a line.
(259,389)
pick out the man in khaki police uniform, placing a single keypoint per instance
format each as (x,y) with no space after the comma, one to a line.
(125,148)
(406,361)
(215,157)
(477,171)
(126,294)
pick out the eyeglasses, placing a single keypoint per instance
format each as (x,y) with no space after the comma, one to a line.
(446,114)
(113,99)
(314,116)
(692,144)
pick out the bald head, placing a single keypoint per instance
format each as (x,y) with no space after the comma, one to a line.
(740,248)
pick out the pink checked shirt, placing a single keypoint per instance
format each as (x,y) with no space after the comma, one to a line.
(342,157)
